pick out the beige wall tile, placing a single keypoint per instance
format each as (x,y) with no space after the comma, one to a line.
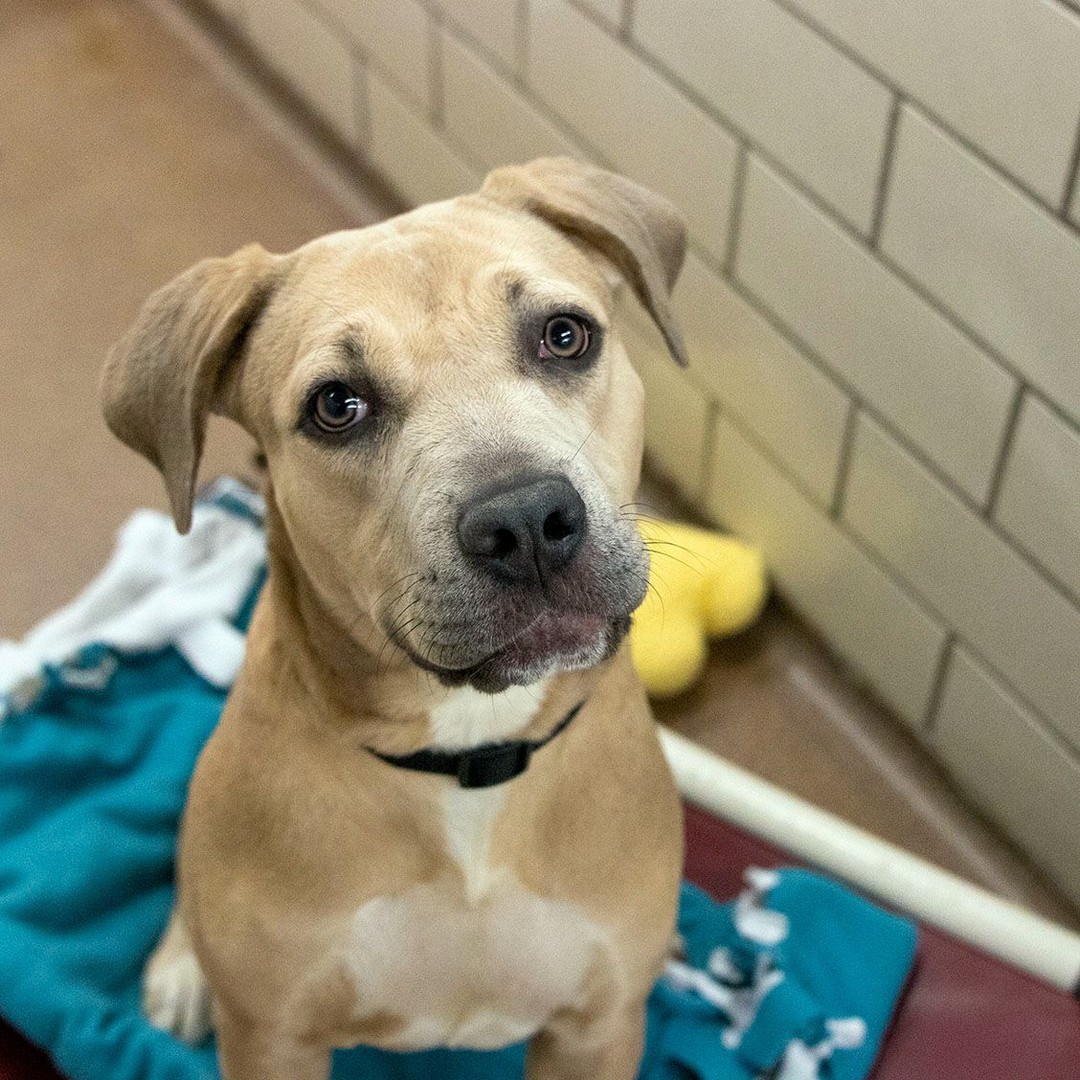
(798,412)
(676,410)
(1008,763)
(943,392)
(963,570)
(311,57)
(394,35)
(1039,504)
(872,623)
(1074,208)
(633,117)
(491,119)
(805,102)
(1008,268)
(492,22)
(1004,73)
(407,151)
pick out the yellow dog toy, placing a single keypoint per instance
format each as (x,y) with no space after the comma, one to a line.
(702,585)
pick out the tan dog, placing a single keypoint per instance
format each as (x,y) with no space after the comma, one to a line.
(452,431)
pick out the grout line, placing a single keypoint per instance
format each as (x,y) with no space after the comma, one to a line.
(714,410)
(1008,437)
(506,70)
(1066,590)
(937,687)
(521,42)
(1070,180)
(436,106)
(1064,745)
(612,29)
(555,120)
(522,89)
(847,454)
(1070,422)
(361,104)
(451,139)
(890,83)
(738,192)
(333,24)
(887,155)
(628,12)
(747,431)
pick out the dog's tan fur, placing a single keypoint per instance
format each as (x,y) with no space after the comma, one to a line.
(332,898)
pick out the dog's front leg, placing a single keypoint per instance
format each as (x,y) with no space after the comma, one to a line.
(248,1052)
(577,1046)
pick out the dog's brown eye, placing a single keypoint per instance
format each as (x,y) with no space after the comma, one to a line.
(335,407)
(565,338)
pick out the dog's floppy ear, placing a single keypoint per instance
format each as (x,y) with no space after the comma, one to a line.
(637,230)
(165,376)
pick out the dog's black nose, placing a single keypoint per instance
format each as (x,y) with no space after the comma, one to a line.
(525,530)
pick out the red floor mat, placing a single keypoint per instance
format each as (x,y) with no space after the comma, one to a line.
(964,1016)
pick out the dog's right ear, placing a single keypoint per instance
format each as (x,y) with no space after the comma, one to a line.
(639,232)
(172,368)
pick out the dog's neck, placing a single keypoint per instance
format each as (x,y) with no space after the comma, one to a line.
(361,688)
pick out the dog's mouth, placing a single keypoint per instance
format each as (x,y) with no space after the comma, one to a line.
(552,640)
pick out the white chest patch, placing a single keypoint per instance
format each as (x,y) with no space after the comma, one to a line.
(481,966)
(468,718)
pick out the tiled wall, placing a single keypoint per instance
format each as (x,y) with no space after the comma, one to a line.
(882,304)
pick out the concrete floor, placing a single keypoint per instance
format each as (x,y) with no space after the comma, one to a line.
(123,162)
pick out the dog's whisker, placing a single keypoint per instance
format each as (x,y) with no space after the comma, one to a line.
(413,575)
(702,566)
(592,431)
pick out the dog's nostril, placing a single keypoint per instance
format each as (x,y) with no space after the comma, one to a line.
(503,543)
(556,527)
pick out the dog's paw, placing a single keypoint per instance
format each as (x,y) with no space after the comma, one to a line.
(176,997)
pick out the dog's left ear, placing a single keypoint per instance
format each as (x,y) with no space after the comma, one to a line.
(637,230)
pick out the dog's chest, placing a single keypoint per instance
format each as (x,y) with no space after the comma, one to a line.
(479,961)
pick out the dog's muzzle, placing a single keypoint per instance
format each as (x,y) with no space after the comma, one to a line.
(539,594)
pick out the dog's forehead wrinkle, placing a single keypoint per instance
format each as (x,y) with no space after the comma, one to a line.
(458,246)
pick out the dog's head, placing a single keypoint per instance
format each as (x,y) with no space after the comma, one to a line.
(451,426)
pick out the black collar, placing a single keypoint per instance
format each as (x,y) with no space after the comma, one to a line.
(482,766)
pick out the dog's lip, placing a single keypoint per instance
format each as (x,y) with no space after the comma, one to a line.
(550,632)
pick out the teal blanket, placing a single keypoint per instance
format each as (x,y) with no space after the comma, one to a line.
(796,979)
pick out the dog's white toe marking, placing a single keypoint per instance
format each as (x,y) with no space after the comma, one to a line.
(176,998)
